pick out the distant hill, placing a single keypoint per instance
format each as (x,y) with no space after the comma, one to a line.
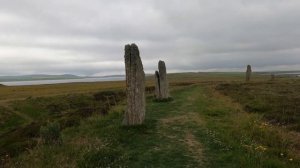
(281,73)
(37,77)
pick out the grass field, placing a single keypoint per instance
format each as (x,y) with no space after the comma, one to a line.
(215,120)
(277,101)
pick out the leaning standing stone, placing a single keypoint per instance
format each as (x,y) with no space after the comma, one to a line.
(248,73)
(135,86)
(157,85)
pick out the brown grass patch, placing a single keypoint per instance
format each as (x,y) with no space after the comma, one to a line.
(195,147)
(188,117)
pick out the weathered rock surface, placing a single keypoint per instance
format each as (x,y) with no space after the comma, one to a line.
(248,73)
(161,82)
(135,86)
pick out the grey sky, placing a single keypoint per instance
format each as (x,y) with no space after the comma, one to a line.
(87,37)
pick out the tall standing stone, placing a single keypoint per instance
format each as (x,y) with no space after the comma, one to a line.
(135,86)
(164,84)
(161,82)
(248,73)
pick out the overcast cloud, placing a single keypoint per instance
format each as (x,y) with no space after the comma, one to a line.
(87,37)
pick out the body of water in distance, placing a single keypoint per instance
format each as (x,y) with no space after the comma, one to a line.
(44,82)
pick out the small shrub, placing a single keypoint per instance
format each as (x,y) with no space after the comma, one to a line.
(50,134)
(69,121)
(79,100)
(85,111)
(102,96)
(57,107)
(109,96)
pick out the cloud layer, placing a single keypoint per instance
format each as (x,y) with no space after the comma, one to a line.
(88,37)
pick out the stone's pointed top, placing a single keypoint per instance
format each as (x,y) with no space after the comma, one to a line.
(131,50)
(248,67)
(156,73)
(161,62)
(133,45)
(127,52)
(161,65)
(127,49)
(135,50)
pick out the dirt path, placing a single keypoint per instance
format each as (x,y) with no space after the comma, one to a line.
(195,147)
(185,135)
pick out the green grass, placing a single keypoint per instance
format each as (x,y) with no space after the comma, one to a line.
(237,139)
(199,128)
(21,120)
(122,146)
(9,120)
(277,101)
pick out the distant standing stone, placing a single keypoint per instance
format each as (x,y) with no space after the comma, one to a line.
(248,73)
(272,77)
(135,86)
(161,82)
(164,84)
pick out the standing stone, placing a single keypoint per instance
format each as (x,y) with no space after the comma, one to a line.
(161,82)
(272,77)
(248,73)
(135,86)
(164,85)
(157,85)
